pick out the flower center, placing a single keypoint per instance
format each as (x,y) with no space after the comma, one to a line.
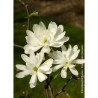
(45,40)
(66,63)
(35,68)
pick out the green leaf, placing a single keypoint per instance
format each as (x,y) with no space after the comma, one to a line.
(33,14)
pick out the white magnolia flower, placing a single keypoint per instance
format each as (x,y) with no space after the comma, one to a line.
(66,59)
(35,68)
(44,38)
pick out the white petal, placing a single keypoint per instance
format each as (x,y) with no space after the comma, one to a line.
(21,67)
(37,28)
(74,71)
(32,55)
(60,42)
(52,27)
(72,66)
(59,34)
(39,58)
(57,55)
(33,41)
(27,48)
(32,85)
(22,74)
(41,76)
(33,79)
(25,58)
(57,61)
(29,33)
(56,44)
(63,49)
(79,61)
(57,67)
(63,73)
(61,27)
(42,24)
(38,31)
(68,51)
(75,55)
(49,71)
(75,48)
(46,65)
(64,39)
(45,49)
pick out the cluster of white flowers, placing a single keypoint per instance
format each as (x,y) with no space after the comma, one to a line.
(42,39)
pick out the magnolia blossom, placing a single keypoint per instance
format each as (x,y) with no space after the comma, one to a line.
(66,59)
(35,68)
(44,38)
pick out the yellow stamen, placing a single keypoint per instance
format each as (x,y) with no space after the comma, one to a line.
(66,63)
(45,40)
(35,68)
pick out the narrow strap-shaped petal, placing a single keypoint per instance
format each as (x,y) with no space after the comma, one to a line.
(45,49)
(75,48)
(59,34)
(79,61)
(74,56)
(64,73)
(33,81)
(49,71)
(39,58)
(26,58)
(52,27)
(46,65)
(28,47)
(41,76)
(42,24)
(21,67)
(22,74)
(61,27)
(57,67)
(73,71)
(29,33)
(64,50)
(68,51)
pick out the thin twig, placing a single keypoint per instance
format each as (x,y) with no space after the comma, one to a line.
(47,93)
(27,11)
(26,7)
(51,91)
(18,46)
(62,90)
(48,88)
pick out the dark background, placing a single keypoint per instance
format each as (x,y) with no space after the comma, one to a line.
(71,11)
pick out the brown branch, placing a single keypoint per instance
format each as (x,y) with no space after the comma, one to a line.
(48,88)
(18,46)
(47,93)
(62,90)
(51,91)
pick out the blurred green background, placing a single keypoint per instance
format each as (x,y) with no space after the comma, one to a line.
(21,86)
